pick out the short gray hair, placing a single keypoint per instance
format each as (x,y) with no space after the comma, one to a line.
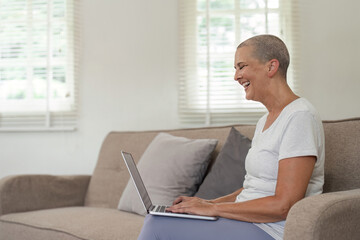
(267,47)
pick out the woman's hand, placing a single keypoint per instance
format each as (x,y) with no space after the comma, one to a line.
(193,205)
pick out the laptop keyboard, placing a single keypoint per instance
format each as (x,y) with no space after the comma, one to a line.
(160,209)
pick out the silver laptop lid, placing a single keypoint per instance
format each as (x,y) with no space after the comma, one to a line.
(139,184)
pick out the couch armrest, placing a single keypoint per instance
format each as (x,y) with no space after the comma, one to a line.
(34,192)
(328,216)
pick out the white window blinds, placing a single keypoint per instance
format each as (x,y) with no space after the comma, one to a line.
(38,65)
(209,32)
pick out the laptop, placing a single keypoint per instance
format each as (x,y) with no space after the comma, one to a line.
(145,198)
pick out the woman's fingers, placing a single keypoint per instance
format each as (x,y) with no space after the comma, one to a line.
(181,199)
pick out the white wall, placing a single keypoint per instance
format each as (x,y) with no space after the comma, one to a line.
(129,78)
(330,37)
(128,82)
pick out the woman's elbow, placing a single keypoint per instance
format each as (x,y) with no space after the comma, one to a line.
(283,206)
(283,210)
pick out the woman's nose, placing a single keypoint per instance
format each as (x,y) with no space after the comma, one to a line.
(237,76)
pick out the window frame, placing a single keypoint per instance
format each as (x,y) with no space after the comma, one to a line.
(46,114)
(188,72)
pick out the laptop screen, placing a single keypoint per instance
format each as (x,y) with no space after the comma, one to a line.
(135,175)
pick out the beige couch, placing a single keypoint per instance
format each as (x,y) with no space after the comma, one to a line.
(84,207)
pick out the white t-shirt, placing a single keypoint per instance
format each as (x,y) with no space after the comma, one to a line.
(297,131)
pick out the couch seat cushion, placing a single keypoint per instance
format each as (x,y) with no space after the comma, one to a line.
(71,223)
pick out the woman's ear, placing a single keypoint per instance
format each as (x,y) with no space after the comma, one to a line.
(273,65)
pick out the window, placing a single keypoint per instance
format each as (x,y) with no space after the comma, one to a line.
(38,65)
(210,31)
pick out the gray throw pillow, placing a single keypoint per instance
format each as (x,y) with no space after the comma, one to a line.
(228,172)
(170,166)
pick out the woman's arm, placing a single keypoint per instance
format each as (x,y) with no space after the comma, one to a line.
(293,178)
(228,198)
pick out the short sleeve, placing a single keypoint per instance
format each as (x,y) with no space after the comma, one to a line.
(299,136)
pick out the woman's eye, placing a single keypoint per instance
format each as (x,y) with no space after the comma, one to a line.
(241,67)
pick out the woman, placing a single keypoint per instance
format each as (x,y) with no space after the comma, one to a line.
(284,165)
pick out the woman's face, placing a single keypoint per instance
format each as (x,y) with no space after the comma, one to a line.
(250,73)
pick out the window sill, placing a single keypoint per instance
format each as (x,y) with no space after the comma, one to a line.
(39,129)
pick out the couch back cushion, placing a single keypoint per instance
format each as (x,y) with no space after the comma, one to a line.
(111,176)
(342,155)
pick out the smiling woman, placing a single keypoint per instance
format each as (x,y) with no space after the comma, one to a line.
(258,54)
(284,164)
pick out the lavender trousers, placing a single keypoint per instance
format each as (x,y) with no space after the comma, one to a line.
(171,228)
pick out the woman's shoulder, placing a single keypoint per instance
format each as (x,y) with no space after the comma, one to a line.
(301,106)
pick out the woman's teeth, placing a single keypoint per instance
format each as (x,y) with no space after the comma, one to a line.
(246,84)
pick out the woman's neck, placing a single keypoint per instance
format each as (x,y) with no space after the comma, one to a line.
(279,96)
